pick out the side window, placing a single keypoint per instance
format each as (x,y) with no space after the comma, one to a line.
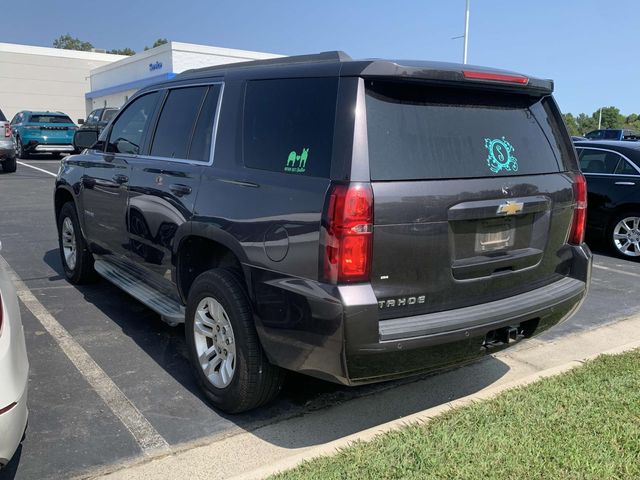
(598,161)
(176,122)
(203,133)
(17,119)
(625,168)
(93,116)
(128,130)
(288,125)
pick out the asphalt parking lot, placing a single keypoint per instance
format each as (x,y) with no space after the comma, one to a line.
(72,431)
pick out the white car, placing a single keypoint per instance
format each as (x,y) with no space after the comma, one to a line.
(14,372)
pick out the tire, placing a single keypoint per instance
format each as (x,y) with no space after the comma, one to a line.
(76,259)
(623,236)
(9,165)
(20,153)
(219,300)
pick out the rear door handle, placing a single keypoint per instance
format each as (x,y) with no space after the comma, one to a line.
(626,183)
(179,190)
(120,179)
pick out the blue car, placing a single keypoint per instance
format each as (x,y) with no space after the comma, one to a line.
(42,132)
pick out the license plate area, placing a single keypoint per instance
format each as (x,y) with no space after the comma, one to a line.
(495,234)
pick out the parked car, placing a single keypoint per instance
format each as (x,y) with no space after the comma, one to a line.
(576,138)
(352,220)
(612,169)
(14,372)
(42,132)
(99,118)
(7,149)
(613,134)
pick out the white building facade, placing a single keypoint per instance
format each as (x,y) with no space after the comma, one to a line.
(113,84)
(40,78)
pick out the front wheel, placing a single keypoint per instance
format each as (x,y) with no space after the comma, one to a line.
(225,352)
(77,261)
(624,235)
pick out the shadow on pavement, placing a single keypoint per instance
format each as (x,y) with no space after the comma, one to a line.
(301,394)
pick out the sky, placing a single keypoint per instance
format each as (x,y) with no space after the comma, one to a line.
(588,47)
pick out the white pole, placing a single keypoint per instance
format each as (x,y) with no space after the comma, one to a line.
(600,118)
(466,33)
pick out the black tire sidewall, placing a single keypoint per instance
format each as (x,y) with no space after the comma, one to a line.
(9,165)
(610,230)
(237,307)
(73,275)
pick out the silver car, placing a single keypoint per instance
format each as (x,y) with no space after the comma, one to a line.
(7,146)
(14,371)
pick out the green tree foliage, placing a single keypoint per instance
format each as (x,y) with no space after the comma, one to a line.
(67,42)
(122,51)
(157,43)
(611,118)
(571,123)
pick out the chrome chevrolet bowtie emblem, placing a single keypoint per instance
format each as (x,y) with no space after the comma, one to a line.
(510,208)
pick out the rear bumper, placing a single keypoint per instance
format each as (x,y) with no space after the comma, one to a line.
(34,147)
(12,425)
(7,151)
(344,341)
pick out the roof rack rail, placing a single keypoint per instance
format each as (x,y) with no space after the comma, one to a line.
(331,56)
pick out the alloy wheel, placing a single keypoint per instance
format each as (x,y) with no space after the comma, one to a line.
(69,243)
(626,236)
(215,342)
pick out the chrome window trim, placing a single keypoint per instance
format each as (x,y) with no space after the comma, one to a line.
(214,133)
(617,153)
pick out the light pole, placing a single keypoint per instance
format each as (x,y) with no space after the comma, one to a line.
(600,119)
(466,33)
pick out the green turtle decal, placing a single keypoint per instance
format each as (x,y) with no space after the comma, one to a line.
(301,160)
(500,155)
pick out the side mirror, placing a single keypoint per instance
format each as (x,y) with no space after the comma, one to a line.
(81,121)
(84,139)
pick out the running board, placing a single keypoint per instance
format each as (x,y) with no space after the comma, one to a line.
(171,311)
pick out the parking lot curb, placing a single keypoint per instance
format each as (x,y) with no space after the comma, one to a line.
(199,461)
(420,417)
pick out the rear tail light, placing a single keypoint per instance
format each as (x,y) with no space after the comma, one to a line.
(578,225)
(495,77)
(348,234)
(7,131)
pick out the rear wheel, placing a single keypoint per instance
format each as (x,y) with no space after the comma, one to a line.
(77,261)
(229,363)
(20,152)
(624,235)
(9,165)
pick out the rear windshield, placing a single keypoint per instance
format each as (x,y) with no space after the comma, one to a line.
(49,119)
(108,115)
(2,117)
(418,133)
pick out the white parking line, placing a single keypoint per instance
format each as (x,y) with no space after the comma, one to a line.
(633,274)
(37,168)
(145,434)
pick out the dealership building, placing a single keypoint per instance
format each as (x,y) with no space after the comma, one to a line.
(40,78)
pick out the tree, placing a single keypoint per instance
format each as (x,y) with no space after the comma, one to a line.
(611,117)
(122,51)
(586,123)
(158,42)
(67,42)
(572,125)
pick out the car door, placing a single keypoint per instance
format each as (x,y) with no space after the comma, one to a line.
(106,178)
(164,183)
(610,182)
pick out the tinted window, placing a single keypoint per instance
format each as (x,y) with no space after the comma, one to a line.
(49,119)
(625,168)
(425,133)
(598,161)
(93,117)
(109,114)
(612,135)
(203,133)
(128,130)
(2,117)
(288,125)
(595,135)
(176,122)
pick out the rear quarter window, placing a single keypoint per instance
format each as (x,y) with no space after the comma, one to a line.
(288,125)
(417,132)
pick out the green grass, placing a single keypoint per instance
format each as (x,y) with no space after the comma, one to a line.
(584,424)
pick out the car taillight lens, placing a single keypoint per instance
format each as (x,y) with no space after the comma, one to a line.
(7,131)
(348,234)
(576,236)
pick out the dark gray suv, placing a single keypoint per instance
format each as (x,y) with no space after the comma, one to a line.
(352,220)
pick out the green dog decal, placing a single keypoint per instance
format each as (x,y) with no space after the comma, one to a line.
(300,159)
